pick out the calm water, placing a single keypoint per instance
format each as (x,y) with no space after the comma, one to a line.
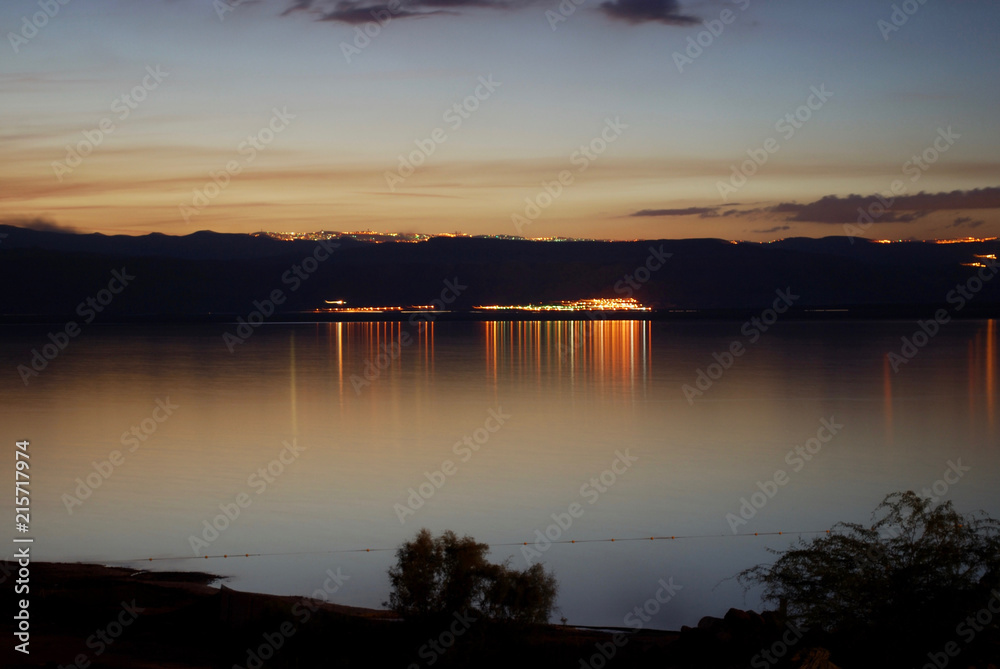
(572,396)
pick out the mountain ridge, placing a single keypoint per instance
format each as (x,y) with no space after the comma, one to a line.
(206,272)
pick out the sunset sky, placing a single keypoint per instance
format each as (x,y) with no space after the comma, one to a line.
(331,110)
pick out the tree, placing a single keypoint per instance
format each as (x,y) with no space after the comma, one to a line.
(900,585)
(520,596)
(438,577)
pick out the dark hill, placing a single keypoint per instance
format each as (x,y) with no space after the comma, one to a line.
(49,274)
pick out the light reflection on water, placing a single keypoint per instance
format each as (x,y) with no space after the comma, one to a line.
(378,405)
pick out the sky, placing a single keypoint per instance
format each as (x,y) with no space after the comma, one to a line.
(612,119)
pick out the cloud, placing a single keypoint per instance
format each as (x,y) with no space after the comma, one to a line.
(965,221)
(904,209)
(777,228)
(979,198)
(644,11)
(298,6)
(833,209)
(39,225)
(703,212)
(738,212)
(690,211)
(357,12)
(354,12)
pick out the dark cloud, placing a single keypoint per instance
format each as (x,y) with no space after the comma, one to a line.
(978,198)
(39,225)
(904,209)
(833,209)
(298,6)
(495,4)
(356,12)
(644,11)
(777,228)
(690,211)
(965,221)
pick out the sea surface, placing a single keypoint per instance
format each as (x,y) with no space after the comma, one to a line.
(332,439)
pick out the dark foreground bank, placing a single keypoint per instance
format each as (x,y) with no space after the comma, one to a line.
(91,616)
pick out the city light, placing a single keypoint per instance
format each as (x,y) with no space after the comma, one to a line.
(340,309)
(963,240)
(596,304)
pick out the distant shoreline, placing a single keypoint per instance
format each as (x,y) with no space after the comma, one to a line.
(972,312)
(86,614)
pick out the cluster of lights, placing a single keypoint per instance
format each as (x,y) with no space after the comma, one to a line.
(356,235)
(597,304)
(964,240)
(572,239)
(341,308)
(358,310)
(408,237)
(987,256)
(297,236)
(382,237)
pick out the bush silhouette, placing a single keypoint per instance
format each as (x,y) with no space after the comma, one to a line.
(438,577)
(897,588)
